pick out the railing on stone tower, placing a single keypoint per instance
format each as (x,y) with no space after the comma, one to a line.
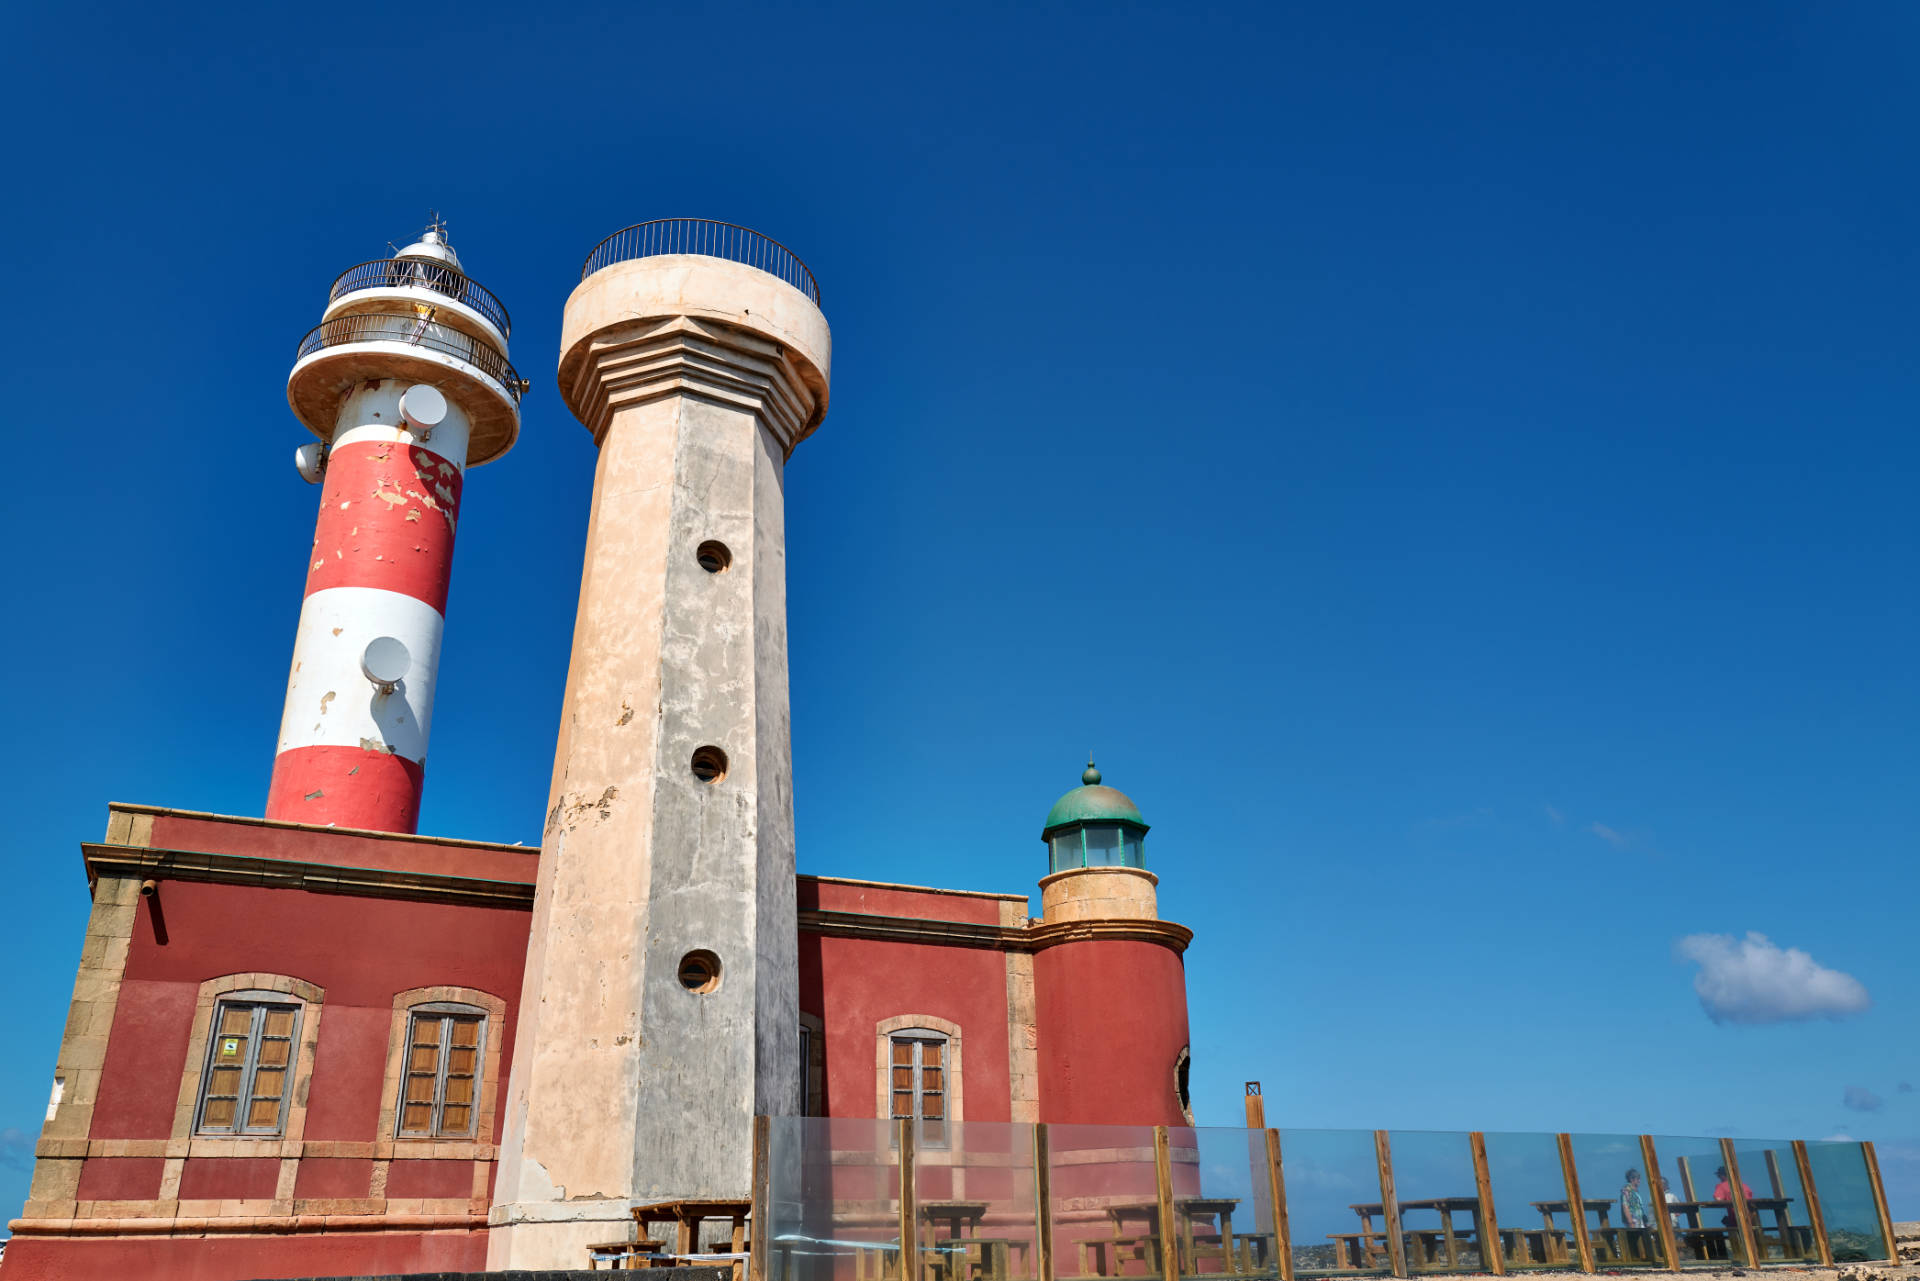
(705,237)
(991,1201)
(417,273)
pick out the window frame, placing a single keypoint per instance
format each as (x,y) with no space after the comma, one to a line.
(884,1030)
(445,1012)
(813,1064)
(919,1038)
(259,1001)
(493,1070)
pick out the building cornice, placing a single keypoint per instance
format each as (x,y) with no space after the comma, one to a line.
(147,863)
(244,820)
(908,889)
(999,938)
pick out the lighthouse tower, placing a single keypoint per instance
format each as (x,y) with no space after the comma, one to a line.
(660,1008)
(406,384)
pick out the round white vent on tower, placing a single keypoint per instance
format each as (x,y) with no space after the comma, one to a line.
(423,406)
(385,662)
(310,460)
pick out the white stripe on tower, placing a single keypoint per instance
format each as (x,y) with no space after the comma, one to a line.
(350,754)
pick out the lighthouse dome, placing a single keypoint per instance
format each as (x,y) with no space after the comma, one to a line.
(433,247)
(1092,802)
(1095,825)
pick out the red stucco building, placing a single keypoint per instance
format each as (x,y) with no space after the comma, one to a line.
(367,938)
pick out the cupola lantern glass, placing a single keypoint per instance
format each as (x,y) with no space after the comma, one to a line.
(1094,826)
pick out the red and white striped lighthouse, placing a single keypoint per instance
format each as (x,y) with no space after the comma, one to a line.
(406,383)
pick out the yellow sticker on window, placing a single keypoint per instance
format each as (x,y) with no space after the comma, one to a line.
(229,1048)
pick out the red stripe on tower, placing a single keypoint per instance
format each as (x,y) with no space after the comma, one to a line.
(346,787)
(387,521)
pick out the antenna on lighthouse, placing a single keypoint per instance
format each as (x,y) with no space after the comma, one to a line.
(385,662)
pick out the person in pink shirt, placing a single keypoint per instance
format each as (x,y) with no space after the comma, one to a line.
(1723,1191)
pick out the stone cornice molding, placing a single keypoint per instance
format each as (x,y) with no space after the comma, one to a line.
(145,863)
(643,360)
(999,938)
(115,808)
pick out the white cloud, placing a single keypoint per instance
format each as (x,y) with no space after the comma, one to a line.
(1839,1136)
(1558,818)
(1859,1098)
(1619,840)
(1752,980)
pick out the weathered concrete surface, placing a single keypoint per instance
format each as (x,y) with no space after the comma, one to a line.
(626,1087)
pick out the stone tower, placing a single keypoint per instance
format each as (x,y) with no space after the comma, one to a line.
(660,1009)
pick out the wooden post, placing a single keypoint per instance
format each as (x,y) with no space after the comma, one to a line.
(1650,1166)
(1686,1179)
(1880,1199)
(1815,1216)
(1043,1199)
(1491,1256)
(762,1198)
(1773,1171)
(1277,1189)
(1163,1180)
(909,1207)
(1389,1205)
(1576,1208)
(1737,1193)
(1256,1162)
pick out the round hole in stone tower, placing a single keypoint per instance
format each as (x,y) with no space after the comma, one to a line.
(700,971)
(709,764)
(713,557)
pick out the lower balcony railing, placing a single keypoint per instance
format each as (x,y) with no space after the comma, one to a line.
(415,331)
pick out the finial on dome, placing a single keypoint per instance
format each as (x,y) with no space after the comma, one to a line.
(1092,777)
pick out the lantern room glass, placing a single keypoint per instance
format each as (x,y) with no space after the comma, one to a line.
(1097,845)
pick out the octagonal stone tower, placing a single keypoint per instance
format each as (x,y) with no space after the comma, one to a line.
(660,1007)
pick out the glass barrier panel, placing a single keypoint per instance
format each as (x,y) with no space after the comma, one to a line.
(1334,1219)
(1223,1212)
(1439,1206)
(1782,1224)
(1105,1199)
(1846,1202)
(1530,1202)
(834,1193)
(1618,1197)
(979,1217)
(1691,1185)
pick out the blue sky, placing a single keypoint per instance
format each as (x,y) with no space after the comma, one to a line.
(1453,463)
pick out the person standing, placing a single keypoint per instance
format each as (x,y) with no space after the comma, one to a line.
(1633,1202)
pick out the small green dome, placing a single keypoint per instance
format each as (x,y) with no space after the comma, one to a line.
(1092,803)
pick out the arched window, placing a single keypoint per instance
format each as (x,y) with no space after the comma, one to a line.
(919,1062)
(249,1058)
(440,1096)
(443,1065)
(249,1069)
